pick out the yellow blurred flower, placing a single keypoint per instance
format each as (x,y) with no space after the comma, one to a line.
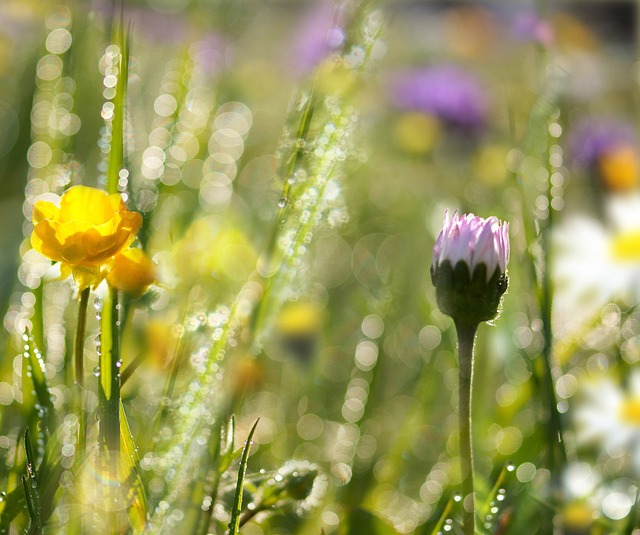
(133,271)
(84,232)
(619,168)
(416,133)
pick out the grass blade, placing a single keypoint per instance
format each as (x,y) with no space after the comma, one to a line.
(234,524)
(129,475)
(37,368)
(30,485)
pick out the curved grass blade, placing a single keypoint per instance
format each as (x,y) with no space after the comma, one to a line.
(234,524)
(30,485)
(129,476)
(37,369)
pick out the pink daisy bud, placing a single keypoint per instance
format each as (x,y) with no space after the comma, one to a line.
(469,267)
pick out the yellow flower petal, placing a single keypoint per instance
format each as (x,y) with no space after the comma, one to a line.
(81,203)
(85,233)
(133,271)
(44,210)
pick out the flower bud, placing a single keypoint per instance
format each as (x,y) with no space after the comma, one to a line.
(133,271)
(469,267)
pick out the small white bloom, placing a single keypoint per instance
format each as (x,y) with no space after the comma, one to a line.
(593,264)
(610,417)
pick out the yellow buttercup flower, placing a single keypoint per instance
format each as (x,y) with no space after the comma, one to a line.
(133,271)
(84,232)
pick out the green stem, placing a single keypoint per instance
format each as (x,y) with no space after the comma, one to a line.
(466,339)
(78,358)
(109,397)
(76,525)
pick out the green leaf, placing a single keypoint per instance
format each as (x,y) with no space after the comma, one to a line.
(129,475)
(234,525)
(12,505)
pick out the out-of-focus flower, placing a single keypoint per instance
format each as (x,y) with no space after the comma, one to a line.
(619,168)
(469,267)
(84,231)
(213,249)
(452,95)
(608,148)
(593,264)
(246,376)
(298,326)
(529,26)
(609,416)
(133,271)
(416,133)
(319,34)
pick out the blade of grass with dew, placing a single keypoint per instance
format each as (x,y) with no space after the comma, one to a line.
(234,523)
(327,124)
(116,147)
(30,484)
(537,229)
(129,475)
(36,368)
(112,431)
(314,201)
(224,454)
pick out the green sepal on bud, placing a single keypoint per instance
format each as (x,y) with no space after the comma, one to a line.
(468,299)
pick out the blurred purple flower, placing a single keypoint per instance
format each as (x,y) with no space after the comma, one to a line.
(529,26)
(590,139)
(150,24)
(449,93)
(319,34)
(210,53)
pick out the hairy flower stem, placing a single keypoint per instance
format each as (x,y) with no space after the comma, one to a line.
(466,339)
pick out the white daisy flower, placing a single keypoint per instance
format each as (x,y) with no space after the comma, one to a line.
(593,264)
(610,417)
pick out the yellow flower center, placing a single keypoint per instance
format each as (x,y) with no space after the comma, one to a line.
(625,247)
(630,411)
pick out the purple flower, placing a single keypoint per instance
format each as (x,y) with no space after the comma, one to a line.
(529,26)
(318,35)
(447,92)
(469,268)
(473,240)
(591,139)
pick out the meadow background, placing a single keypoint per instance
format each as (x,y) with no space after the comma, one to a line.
(292,162)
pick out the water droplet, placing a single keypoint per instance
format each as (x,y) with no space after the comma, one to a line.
(511,466)
(96,371)
(282,202)
(457,497)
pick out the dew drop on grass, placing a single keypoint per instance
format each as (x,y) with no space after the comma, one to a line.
(282,202)
(457,497)
(96,371)
(511,466)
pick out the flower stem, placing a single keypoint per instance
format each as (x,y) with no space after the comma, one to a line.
(466,339)
(79,367)
(76,524)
